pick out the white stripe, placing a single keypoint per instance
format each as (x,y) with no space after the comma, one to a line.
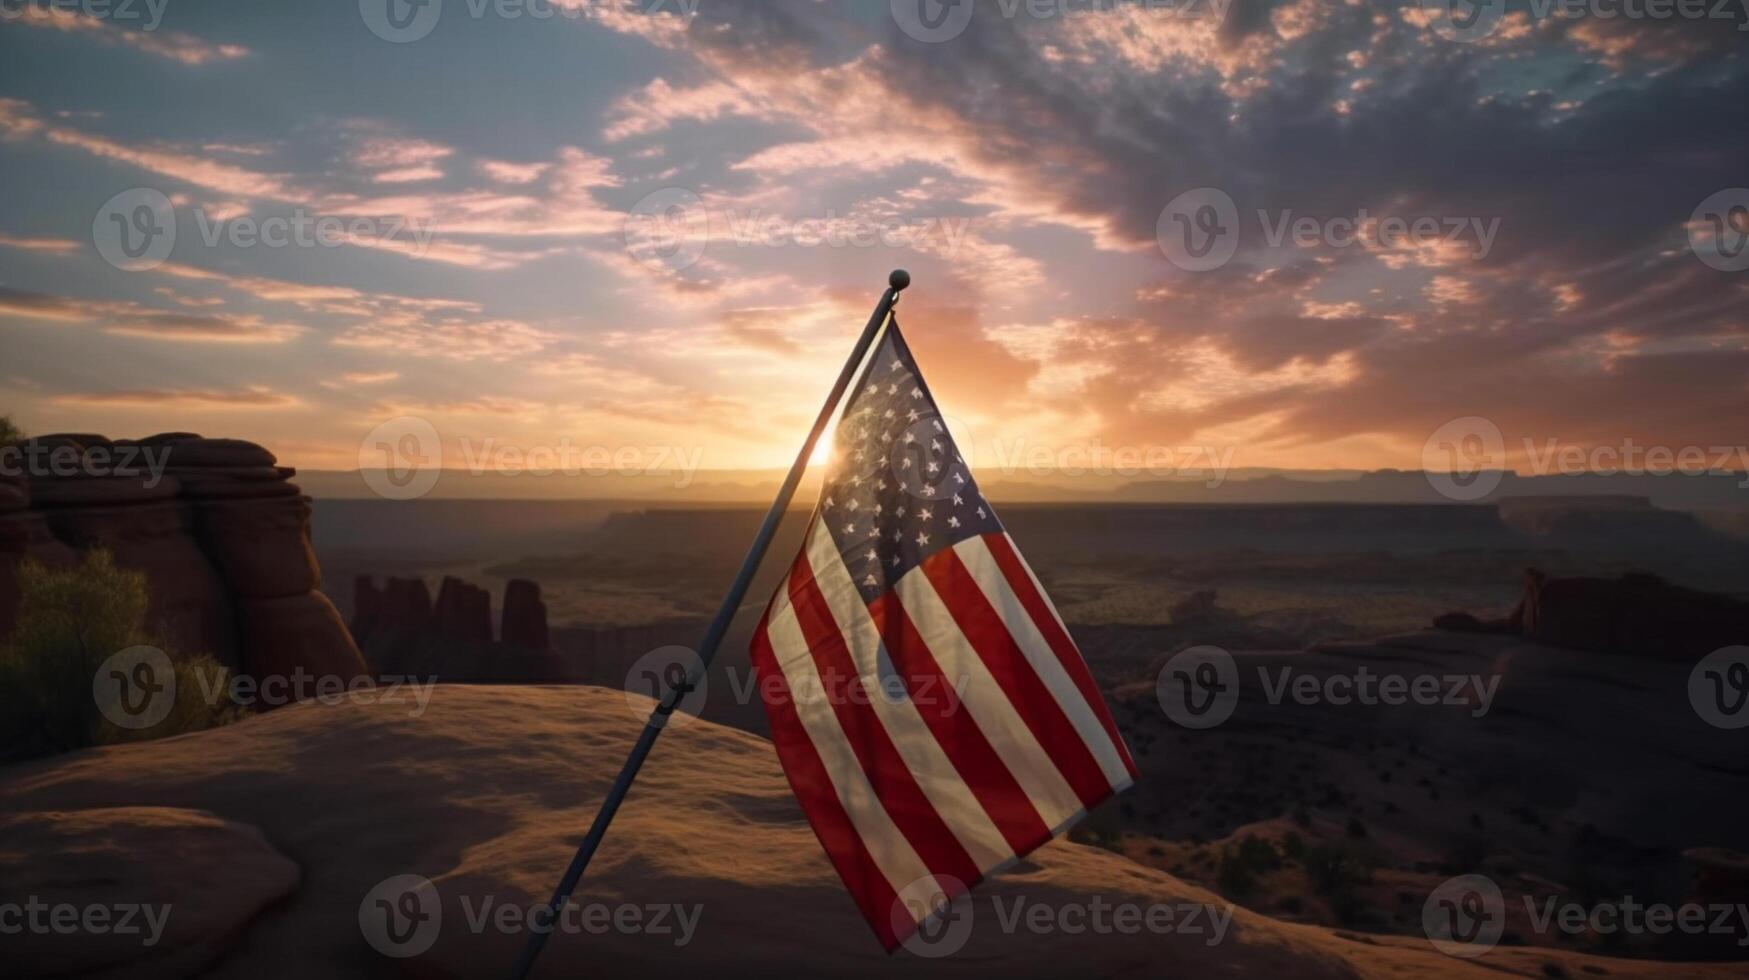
(889,849)
(997,589)
(780,600)
(923,756)
(985,700)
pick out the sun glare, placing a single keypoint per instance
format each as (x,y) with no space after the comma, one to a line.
(822,455)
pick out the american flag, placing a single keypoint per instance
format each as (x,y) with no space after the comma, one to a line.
(929,708)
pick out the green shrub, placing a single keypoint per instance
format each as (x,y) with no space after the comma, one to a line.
(69,622)
(9,433)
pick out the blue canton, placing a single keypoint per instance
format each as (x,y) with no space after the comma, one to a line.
(898,490)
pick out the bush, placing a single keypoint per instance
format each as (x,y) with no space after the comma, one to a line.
(1293,846)
(69,622)
(9,433)
(1337,871)
(1333,867)
(1085,833)
(1242,865)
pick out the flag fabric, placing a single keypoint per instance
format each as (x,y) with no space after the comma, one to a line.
(934,718)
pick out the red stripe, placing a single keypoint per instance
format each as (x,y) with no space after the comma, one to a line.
(1033,601)
(988,635)
(893,782)
(808,779)
(938,701)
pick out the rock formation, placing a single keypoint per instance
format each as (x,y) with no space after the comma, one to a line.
(525,617)
(206,878)
(464,611)
(216,526)
(402,605)
(1637,614)
(1198,607)
(402,631)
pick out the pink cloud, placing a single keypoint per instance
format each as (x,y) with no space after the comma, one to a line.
(398,160)
(174,45)
(180,165)
(18,119)
(506,172)
(659,105)
(370,377)
(58,246)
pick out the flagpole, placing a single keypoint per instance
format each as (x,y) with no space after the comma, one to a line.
(713,634)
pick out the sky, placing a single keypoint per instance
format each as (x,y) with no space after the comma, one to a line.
(1305,234)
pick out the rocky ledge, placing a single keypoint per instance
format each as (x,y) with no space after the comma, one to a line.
(484,792)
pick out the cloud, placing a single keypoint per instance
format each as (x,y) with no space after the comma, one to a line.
(39,306)
(173,45)
(393,159)
(183,399)
(222,178)
(18,119)
(506,172)
(1102,117)
(58,246)
(707,282)
(370,377)
(132,320)
(1048,146)
(749,328)
(607,391)
(659,105)
(245,329)
(339,301)
(484,405)
(448,338)
(444,223)
(565,206)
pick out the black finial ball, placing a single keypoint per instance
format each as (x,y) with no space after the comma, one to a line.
(899,279)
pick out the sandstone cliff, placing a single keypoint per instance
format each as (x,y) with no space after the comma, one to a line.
(217,527)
